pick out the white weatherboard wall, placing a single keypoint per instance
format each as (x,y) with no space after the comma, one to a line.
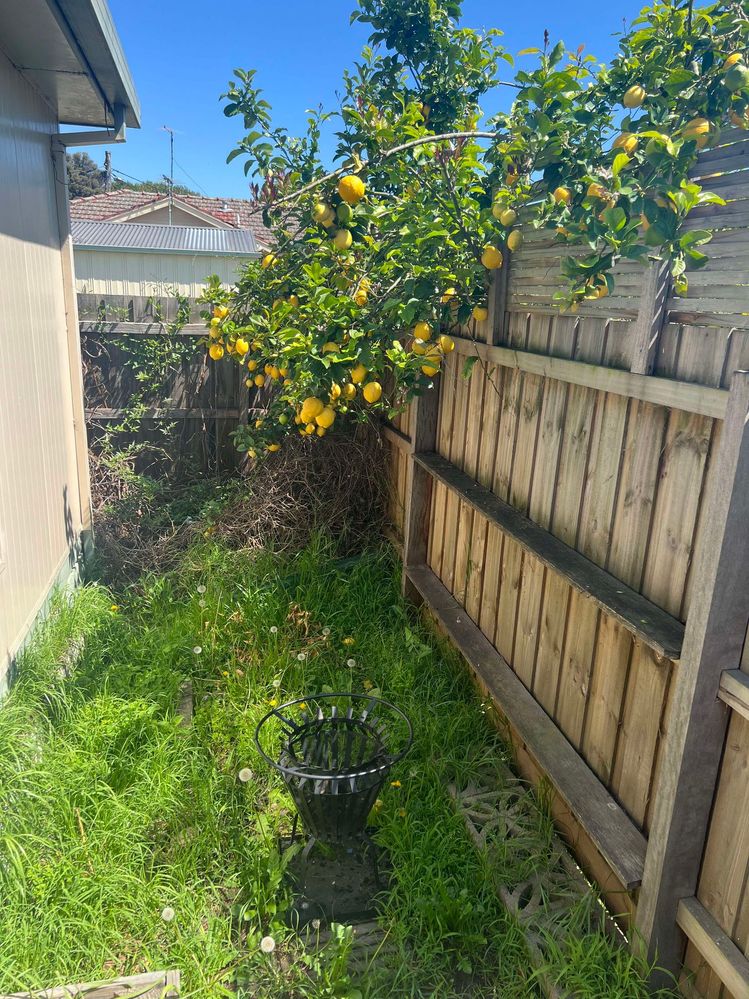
(41,507)
(137,272)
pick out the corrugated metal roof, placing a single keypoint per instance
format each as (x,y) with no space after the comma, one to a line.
(163,238)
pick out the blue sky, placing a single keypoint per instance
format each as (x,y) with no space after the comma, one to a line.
(182,55)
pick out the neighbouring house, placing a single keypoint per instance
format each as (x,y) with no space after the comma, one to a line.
(137,243)
(134,259)
(61,63)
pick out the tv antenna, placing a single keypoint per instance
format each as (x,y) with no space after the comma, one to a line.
(171,168)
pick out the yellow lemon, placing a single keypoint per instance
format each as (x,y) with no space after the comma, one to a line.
(325,417)
(491,258)
(328,219)
(634,97)
(216,351)
(293,301)
(283,419)
(348,391)
(320,431)
(429,370)
(514,240)
(259,380)
(335,392)
(311,407)
(283,372)
(498,210)
(448,295)
(220,312)
(360,297)
(310,428)
(259,423)
(626,142)
(252,365)
(446,343)
(358,374)
(562,195)
(418,347)
(644,224)
(273,447)
(268,260)
(321,210)
(422,331)
(699,130)
(330,347)
(248,382)
(351,189)
(480,313)
(372,391)
(241,346)
(508,216)
(342,239)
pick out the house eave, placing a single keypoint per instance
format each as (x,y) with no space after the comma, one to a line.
(70,52)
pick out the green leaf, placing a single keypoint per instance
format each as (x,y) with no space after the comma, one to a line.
(468,366)
(620,161)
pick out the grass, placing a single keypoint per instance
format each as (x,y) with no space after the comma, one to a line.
(112,810)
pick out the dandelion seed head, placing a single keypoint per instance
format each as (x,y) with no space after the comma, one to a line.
(276,684)
(267,945)
(168,914)
(302,656)
(351,663)
(274,629)
(245,775)
(201,589)
(315,924)
(197,649)
(326,632)
(201,603)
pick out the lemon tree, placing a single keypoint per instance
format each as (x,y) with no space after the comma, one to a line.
(376,261)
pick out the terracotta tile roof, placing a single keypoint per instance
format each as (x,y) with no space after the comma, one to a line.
(236,213)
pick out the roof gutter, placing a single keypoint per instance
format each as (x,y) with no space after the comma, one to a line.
(164,252)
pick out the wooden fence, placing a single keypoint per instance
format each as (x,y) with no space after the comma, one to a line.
(576,517)
(189,414)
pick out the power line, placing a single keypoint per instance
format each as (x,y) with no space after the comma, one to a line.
(190,177)
(121,173)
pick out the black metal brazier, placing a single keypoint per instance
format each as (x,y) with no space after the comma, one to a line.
(336,753)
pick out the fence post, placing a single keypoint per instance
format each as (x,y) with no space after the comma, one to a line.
(651,314)
(424,420)
(713,641)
